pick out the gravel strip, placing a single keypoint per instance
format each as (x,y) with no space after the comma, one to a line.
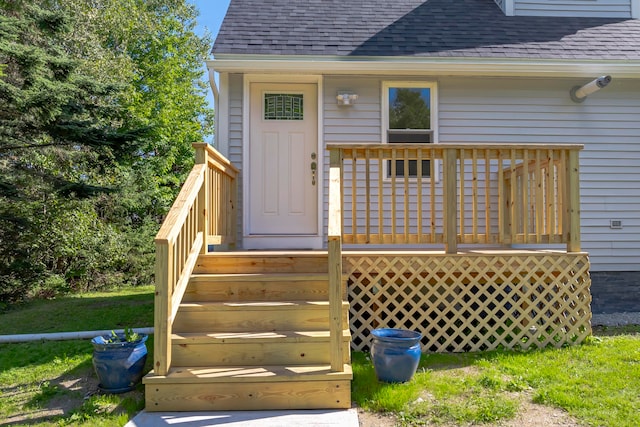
(616,319)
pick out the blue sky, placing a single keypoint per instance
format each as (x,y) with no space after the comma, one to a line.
(211,15)
(210,18)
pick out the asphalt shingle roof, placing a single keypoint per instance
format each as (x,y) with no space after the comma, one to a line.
(432,28)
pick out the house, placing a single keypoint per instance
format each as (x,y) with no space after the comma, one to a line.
(454,167)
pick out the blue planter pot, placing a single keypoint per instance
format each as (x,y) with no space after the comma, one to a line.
(395,353)
(119,365)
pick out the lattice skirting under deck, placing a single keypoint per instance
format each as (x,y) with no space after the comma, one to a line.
(472,302)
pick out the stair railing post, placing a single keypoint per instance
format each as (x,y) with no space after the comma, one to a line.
(335,261)
(162,307)
(204,198)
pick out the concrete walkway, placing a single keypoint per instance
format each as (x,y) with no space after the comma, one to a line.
(311,418)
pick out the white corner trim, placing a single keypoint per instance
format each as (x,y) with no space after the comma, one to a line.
(509,7)
(321,155)
(222,114)
(246,99)
(635,9)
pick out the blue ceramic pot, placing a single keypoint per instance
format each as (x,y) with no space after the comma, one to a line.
(119,365)
(395,353)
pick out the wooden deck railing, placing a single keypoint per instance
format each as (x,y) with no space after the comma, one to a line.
(203,214)
(469,194)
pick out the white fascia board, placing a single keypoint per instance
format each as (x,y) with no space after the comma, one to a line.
(423,66)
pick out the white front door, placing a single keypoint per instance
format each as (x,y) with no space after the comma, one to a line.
(283,143)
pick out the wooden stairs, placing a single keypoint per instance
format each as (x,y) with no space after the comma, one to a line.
(252,333)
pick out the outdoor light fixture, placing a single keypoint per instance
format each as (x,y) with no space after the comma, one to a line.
(580,93)
(346,98)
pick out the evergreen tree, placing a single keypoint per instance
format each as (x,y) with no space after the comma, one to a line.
(98,110)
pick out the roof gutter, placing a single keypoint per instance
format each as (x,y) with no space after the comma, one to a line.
(423,66)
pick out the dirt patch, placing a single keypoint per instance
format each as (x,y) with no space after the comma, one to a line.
(372,419)
(534,415)
(71,392)
(529,415)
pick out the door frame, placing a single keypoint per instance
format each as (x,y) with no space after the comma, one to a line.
(257,241)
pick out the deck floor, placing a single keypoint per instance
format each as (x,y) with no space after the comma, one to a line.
(480,250)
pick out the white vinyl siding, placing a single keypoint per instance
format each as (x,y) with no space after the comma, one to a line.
(357,123)
(540,111)
(519,110)
(582,8)
(512,110)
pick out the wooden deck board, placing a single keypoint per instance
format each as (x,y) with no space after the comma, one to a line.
(249,396)
(256,337)
(256,305)
(208,374)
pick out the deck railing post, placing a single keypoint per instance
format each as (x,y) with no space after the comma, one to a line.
(203,196)
(450,205)
(335,260)
(573,190)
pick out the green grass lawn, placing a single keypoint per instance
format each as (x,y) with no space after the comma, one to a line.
(84,312)
(53,383)
(597,383)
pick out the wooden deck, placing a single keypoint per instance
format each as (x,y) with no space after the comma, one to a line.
(274,329)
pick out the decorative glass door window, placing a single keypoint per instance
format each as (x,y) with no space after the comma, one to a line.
(283,106)
(408,118)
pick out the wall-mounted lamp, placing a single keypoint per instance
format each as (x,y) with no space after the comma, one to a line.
(347,98)
(579,93)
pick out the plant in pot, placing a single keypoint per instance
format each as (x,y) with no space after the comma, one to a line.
(119,359)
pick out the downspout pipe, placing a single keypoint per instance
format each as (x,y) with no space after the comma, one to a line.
(65,336)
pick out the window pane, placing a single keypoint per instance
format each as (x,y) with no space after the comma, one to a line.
(413,168)
(408,137)
(279,106)
(409,108)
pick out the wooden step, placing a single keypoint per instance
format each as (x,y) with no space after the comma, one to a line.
(262,262)
(258,286)
(257,348)
(248,388)
(255,316)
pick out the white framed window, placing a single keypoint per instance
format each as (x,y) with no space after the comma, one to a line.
(409,116)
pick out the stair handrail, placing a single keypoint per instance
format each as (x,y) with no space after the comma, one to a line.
(185,233)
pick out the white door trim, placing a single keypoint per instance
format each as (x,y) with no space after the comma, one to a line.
(250,241)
